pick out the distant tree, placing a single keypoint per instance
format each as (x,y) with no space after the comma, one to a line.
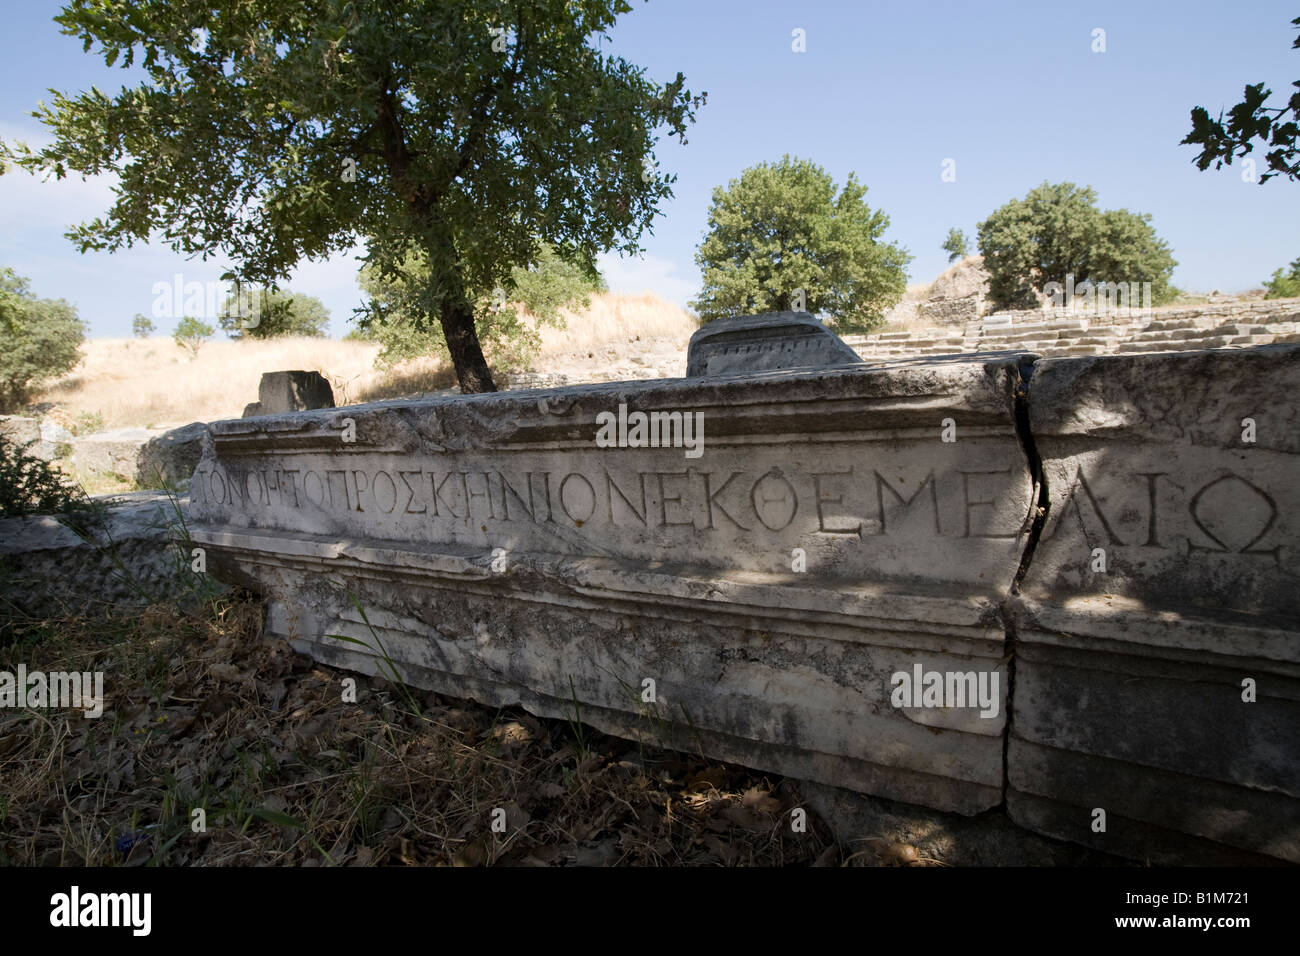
(541,289)
(1284,285)
(956,245)
(781,227)
(265,313)
(272,131)
(142,326)
(40,339)
(191,333)
(1247,121)
(1057,231)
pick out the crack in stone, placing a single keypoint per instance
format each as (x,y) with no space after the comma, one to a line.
(1038,522)
(1039,476)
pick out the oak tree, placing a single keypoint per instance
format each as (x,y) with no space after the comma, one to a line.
(464,131)
(782,233)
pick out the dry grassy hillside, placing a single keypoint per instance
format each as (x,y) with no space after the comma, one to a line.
(618,319)
(154,383)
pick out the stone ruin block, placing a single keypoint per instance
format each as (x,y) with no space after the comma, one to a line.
(57,567)
(1129,681)
(168,460)
(954,311)
(772,584)
(500,552)
(280,392)
(20,431)
(759,343)
(113,452)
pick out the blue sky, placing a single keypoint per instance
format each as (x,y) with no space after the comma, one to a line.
(1012,92)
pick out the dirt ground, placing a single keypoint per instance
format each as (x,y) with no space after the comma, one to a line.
(204,713)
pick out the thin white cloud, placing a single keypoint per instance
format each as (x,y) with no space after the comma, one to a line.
(633,276)
(29,204)
(338,273)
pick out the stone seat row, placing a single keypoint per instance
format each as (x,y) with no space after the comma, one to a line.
(1076,338)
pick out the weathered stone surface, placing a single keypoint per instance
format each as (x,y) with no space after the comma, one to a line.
(171,458)
(987,839)
(1058,332)
(502,555)
(56,441)
(280,392)
(111,453)
(49,570)
(1129,682)
(535,380)
(1144,457)
(19,431)
(501,552)
(761,343)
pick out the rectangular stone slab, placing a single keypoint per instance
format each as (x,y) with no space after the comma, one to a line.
(774,340)
(1129,681)
(499,553)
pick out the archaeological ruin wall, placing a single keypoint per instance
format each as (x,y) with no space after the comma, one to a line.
(1049,586)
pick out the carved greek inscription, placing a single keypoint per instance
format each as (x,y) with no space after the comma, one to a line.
(1227,514)
(833,502)
(1072,501)
(1253,512)
(1153,537)
(983,503)
(775,500)
(411,493)
(883,485)
(824,497)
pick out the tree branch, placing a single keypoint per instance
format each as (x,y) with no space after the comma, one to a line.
(483,119)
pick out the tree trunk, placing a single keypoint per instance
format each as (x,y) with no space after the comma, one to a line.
(463,344)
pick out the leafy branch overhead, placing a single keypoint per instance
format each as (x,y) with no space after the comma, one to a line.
(1251,120)
(543,291)
(273,131)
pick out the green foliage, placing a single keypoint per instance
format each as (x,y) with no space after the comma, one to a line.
(30,485)
(1284,285)
(468,132)
(551,284)
(1250,120)
(87,423)
(956,245)
(41,339)
(781,227)
(542,289)
(1057,230)
(190,334)
(142,327)
(266,313)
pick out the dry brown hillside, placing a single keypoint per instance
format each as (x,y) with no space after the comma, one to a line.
(153,383)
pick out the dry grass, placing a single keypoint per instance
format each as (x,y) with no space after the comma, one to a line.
(94,482)
(616,319)
(904,316)
(154,383)
(206,712)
